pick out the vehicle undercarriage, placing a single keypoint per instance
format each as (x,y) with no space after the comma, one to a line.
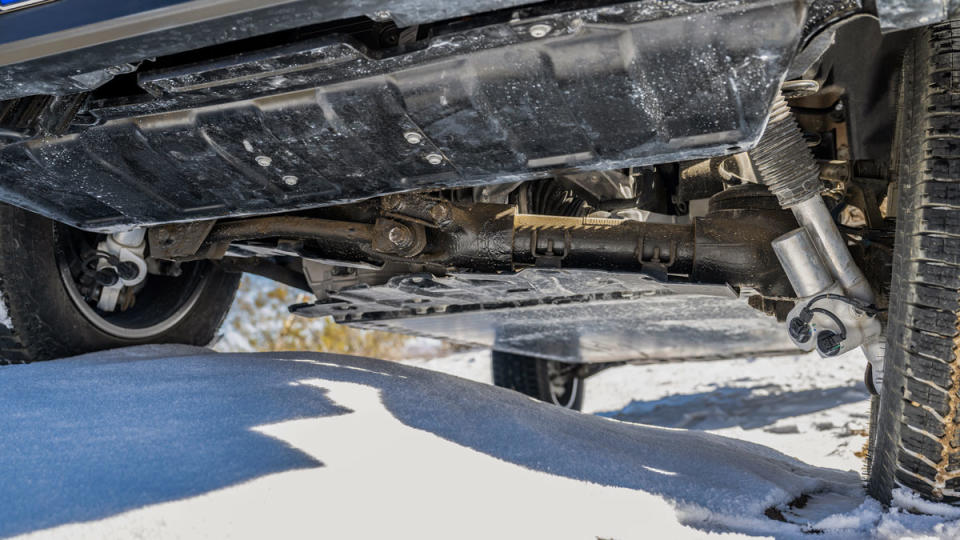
(566,181)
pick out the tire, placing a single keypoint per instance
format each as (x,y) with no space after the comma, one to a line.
(43,321)
(916,443)
(532,376)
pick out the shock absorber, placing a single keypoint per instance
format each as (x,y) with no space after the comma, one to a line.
(823,319)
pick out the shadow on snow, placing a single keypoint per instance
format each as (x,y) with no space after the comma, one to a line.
(746,407)
(87,438)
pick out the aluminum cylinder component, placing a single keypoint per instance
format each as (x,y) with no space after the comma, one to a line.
(132,238)
(812,214)
(127,247)
(802,263)
(785,165)
(875,351)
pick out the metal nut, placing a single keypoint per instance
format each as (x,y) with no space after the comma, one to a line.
(264,161)
(400,236)
(434,159)
(413,137)
(540,30)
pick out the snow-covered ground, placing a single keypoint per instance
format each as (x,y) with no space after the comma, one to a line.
(181,442)
(811,408)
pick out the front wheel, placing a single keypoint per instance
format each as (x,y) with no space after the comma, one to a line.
(915,437)
(546,380)
(48,308)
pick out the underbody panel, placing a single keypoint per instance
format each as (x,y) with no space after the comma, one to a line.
(68,46)
(326,121)
(569,316)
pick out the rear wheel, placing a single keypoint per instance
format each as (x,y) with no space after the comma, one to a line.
(549,381)
(916,440)
(47,310)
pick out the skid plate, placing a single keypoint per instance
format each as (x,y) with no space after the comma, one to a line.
(570,316)
(326,121)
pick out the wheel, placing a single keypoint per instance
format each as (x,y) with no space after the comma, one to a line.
(46,313)
(916,443)
(553,382)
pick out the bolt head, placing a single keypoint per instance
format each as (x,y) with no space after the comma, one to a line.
(290,180)
(400,236)
(394,203)
(413,137)
(434,159)
(540,30)
(264,161)
(382,15)
(440,213)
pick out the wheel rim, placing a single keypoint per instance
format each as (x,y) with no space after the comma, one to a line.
(159,311)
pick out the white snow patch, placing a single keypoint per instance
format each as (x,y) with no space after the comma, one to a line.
(4,313)
(159,442)
(911,502)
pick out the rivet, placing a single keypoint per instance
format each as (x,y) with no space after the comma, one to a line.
(413,137)
(434,159)
(540,30)
(264,161)
(290,180)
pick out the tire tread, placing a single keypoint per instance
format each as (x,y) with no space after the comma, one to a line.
(917,444)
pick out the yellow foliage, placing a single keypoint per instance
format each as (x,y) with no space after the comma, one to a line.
(260,315)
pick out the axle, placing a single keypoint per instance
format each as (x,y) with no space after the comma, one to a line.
(727,246)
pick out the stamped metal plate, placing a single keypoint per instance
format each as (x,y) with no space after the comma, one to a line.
(566,315)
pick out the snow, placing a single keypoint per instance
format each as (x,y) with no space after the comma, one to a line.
(4,314)
(812,408)
(173,441)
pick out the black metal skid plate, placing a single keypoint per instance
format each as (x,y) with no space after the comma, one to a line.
(324,122)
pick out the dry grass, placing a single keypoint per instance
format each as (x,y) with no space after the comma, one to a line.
(259,321)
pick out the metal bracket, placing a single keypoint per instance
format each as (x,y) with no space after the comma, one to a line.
(655,264)
(550,246)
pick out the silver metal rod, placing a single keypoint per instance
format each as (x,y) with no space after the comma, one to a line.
(812,215)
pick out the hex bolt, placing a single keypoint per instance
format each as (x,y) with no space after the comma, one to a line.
(400,236)
(434,159)
(413,137)
(440,214)
(290,180)
(264,161)
(540,30)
